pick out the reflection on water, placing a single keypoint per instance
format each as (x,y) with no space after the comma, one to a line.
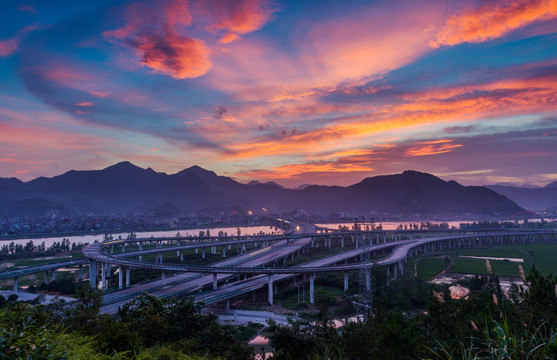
(248,230)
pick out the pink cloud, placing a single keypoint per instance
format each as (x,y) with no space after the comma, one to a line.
(27,8)
(158,39)
(8,46)
(160,35)
(240,17)
(432,147)
(85,103)
(492,20)
(338,53)
(228,38)
(99,94)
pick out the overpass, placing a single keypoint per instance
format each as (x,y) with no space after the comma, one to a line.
(267,276)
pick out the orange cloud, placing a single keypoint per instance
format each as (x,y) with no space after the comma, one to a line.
(493,20)
(508,97)
(99,94)
(332,55)
(159,40)
(158,33)
(85,103)
(228,38)
(240,17)
(432,148)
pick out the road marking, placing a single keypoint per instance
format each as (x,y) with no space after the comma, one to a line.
(260,251)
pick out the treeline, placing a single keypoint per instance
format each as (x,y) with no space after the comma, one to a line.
(145,328)
(489,324)
(509,225)
(17,251)
(424,226)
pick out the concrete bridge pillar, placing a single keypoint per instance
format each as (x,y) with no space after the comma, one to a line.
(80,276)
(224,251)
(345,281)
(182,255)
(401,268)
(215,281)
(270,289)
(395,271)
(46,277)
(92,273)
(123,248)
(111,249)
(342,242)
(312,288)
(203,253)
(227,307)
(357,241)
(160,257)
(128,277)
(16,284)
(120,278)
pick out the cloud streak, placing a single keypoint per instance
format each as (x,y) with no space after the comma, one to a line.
(492,20)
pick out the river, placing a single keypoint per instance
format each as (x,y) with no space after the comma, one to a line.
(246,230)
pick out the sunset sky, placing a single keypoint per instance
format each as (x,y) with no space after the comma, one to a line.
(326,92)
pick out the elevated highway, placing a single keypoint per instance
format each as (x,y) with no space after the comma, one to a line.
(262,275)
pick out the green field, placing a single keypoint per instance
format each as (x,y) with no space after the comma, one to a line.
(542,255)
(428,267)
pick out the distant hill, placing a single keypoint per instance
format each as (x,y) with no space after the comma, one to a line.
(126,188)
(551,185)
(533,199)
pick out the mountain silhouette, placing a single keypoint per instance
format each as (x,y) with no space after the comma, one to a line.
(127,188)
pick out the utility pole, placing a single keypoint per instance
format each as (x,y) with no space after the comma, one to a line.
(365,298)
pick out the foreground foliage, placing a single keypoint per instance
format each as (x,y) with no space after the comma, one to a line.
(146,328)
(490,324)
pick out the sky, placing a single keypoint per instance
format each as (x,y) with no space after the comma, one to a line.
(320,92)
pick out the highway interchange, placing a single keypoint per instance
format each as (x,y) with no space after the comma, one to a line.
(264,265)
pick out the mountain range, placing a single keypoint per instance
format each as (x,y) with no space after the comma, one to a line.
(126,188)
(531,198)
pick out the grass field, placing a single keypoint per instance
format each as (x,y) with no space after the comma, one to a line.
(428,267)
(542,255)
(288,298)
